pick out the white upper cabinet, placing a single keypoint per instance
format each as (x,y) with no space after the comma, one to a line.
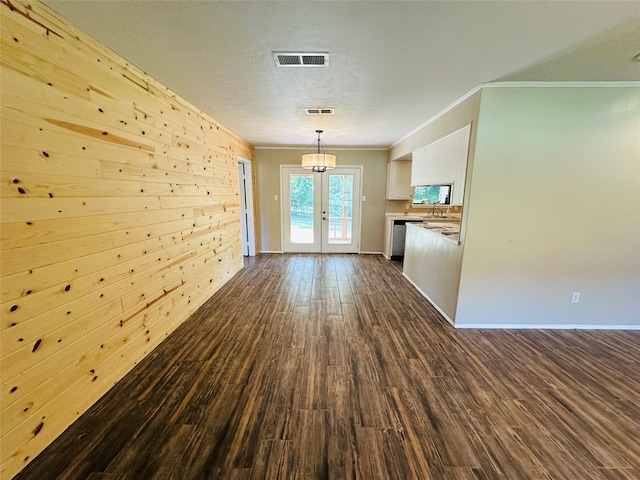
(442,162)
(399,181)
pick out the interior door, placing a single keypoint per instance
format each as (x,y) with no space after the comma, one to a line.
(321,211)
(245,194)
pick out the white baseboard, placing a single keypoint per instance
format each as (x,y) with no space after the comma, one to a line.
(520,326)
(361,253)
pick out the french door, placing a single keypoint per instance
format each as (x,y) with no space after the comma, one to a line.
(321,211)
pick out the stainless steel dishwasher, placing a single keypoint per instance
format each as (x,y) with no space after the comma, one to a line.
(397,237)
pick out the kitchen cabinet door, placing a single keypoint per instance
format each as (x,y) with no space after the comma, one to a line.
(399,181)
(443,162)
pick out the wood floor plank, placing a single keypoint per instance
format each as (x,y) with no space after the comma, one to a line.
(341,425)
(310,434)
(133,455)
(284,394)
(332,299)
(422,456)
(167,459)
(334,366)
(273,461)
(559,463)
(344,289)
(312,376)
(369,454)
(334,331)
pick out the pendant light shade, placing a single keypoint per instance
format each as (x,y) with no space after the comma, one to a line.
(320,161)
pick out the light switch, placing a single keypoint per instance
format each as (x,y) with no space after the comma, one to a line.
(364,198)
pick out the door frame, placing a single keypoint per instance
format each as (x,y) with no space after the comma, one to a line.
(357,223)
(247,216)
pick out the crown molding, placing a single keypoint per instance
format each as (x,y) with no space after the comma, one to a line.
(622,84)
(471,92)
(625,84)
(288,147)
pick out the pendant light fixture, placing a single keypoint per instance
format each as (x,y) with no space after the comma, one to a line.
(320,161)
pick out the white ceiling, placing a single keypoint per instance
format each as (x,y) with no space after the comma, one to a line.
(393,64)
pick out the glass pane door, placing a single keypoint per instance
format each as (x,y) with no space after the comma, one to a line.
(340,221)
(341,210)
(301,213)
(321,211)
(301,210)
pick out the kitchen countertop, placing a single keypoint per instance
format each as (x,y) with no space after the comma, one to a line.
(424,217)
(448,231)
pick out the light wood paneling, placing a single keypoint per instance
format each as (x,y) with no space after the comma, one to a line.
(120,217)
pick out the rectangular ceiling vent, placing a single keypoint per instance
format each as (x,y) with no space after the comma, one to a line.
(320,111)
(301,60)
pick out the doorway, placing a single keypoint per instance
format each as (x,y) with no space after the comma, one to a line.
(321,211)
(245,192)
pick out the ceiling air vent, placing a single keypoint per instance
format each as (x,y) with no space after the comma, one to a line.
(301,60)
(320,111)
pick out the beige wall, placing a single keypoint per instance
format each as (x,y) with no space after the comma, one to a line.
(120,217)
(554,208)
(268,163)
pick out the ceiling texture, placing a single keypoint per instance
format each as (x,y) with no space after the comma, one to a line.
(393,65)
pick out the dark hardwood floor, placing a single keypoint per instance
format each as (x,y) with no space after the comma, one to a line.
(333,366)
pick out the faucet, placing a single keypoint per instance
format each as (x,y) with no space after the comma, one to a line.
(433,214)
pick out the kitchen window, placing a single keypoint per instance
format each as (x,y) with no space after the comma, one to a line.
(430,194)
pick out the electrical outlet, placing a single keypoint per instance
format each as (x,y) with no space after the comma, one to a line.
(275,197)
(406,206)
(575,297)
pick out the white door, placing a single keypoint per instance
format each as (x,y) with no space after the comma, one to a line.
(321,211)
(245,192)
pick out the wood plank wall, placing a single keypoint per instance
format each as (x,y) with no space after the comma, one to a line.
(120,217)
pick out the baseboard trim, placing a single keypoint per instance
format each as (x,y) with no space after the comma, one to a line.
(361,253)
(516,326)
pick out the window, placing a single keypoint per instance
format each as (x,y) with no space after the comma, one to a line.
(429,194)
